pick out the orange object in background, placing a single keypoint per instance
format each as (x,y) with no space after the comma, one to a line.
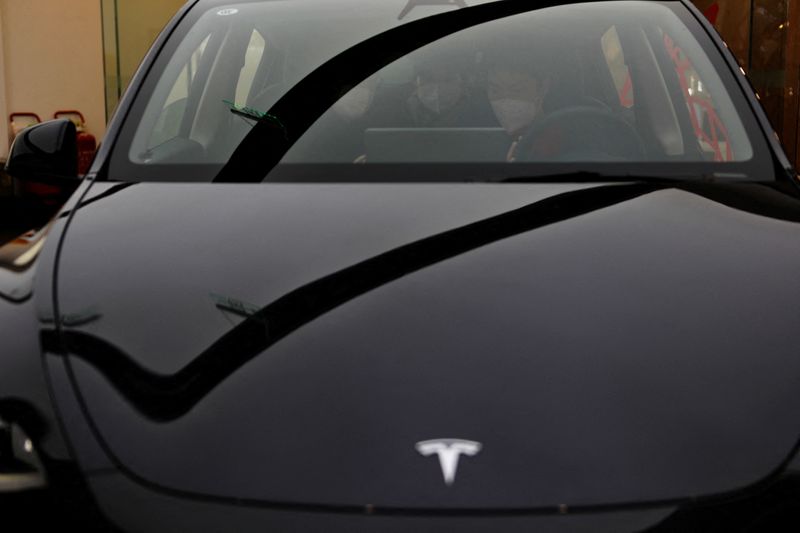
(87,143)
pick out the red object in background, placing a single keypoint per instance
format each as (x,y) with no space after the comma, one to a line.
(701,111)
(712,12)
(87,144)
(48,194)
(626,94)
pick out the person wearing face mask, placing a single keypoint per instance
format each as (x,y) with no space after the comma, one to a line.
(517,97)
(438,98)
(441,96)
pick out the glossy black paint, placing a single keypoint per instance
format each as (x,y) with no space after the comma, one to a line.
(45,151)
(167,398)
(581,299)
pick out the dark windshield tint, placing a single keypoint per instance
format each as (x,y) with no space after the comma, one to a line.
(625,84)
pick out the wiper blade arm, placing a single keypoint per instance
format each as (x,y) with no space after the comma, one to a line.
(253,114)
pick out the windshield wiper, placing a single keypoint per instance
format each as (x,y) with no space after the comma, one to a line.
(253,114)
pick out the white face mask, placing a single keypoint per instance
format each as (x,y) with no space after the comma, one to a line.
(354,104)
(515,115)
(439,97)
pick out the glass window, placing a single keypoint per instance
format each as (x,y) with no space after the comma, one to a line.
(615,59)
(552,86)
(174,109)
(252,58)
(707,124)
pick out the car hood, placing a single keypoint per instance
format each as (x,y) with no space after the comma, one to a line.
(291,344)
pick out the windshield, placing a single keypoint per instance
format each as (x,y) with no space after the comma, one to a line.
(298,90)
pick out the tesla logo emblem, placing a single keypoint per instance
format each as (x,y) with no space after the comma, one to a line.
(449,451)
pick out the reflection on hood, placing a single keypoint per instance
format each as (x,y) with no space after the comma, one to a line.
(167,397)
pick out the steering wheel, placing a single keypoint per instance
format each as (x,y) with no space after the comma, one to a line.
(581,134)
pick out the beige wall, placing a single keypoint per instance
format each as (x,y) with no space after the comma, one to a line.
(3,108)
(140,22)
(53,59)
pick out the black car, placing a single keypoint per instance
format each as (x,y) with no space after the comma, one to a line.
(409,265)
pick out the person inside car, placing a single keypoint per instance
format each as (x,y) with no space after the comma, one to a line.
(517,89)
(548,116)
(438,97)
(442,94)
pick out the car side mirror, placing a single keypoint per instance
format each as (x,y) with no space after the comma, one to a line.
(43,161)
(45,151)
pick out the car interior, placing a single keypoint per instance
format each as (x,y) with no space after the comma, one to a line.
(621,90)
